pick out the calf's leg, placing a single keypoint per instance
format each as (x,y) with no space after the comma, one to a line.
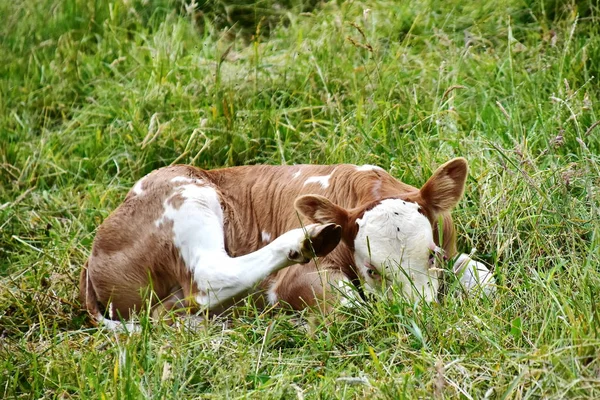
(219,277)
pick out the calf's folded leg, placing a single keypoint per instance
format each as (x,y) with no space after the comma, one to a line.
(220,277)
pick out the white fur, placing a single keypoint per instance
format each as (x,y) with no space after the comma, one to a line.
(400,240)
(137,188)
(322,180)
(375,189)
(474,276)
(272,297)
(266,236)
(368,167)
(198,235)
(348,292)
(197,223)
(297,174)
(185,179)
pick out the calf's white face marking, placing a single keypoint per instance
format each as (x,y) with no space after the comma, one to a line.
(393,246)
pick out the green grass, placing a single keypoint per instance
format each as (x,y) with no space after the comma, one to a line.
(95,94)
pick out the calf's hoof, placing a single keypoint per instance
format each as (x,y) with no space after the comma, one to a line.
(319,240)
(475,278)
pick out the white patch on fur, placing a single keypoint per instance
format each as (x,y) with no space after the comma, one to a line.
(322,180)
(368,167)
(396,239)
(137,188)
(185,179)
(348,292)
(266,237)
(474,276)
(375,189)
(272,297)
(198,220)
(297,174)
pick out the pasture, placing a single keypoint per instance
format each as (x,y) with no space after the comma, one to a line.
(96,94)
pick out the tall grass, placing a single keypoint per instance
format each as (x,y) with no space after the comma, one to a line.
(94,94)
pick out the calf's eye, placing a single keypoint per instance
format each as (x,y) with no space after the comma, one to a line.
(436,253)
(373,273)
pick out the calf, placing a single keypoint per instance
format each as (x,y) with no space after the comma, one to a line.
(188,239)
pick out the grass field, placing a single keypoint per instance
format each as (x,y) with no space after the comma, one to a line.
(95,94)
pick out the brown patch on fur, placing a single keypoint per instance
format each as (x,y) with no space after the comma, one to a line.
(176,201)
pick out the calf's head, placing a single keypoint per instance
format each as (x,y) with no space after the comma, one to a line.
(392,239)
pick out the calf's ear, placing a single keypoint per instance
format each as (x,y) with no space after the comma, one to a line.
(320,210)
(446,186)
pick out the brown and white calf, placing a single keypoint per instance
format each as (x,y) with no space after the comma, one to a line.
(186,238)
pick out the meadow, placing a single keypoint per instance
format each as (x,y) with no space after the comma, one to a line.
(95,94)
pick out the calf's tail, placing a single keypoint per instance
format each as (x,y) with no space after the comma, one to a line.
(87,295)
